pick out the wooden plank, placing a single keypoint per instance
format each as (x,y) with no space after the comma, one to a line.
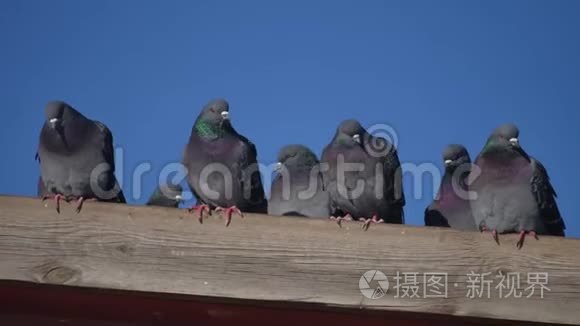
(278,259)
(26,304)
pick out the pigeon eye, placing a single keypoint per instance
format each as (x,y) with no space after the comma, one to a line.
(212,110)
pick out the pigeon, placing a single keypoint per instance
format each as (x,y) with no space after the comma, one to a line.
(373,187)
(76,158)
(166,195)
(298,189)
(514,193)
(41,189)
(451,208)
(222,166)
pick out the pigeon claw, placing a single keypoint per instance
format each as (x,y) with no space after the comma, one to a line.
(522,237)
(339,219)
(80,201)
(56,198)
(199,210)
(495,236)
(228,212)
(366,222)
(493,232)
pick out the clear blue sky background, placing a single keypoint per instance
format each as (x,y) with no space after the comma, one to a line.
(437,71)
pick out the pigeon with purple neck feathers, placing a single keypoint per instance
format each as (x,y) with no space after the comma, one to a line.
(222,166)
(76,158)
(363,176)
(514,193)
(451,208)
(298,189)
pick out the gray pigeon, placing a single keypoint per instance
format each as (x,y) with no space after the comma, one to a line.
(513,190)
(452,208)
(166,195)
(298,188)
(374,192)
(222,165)
(76,158)
(41,189)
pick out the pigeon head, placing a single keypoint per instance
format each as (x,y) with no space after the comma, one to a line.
(58,114)
(504,140)
(167,195)
(216,112)
(508,131)
(350,131)
(172,192)
(455,155)
(293,155)
(214,120)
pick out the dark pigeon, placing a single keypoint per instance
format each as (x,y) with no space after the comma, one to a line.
(513,190)
(167,195)
(71,148)
(451,208)
(214,145)
(298,189)
(381,199)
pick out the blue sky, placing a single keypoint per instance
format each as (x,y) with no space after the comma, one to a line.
(438,72)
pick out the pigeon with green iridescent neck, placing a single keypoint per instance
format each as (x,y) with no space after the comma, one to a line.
(222,166)
(514,193)
(76,158)
(166,195)
(298,189)
(451,208)
(364,176)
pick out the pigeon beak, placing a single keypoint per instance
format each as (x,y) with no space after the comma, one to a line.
(356,138)
(448,162)
(515,142)
(278,166)
(225,115)
(53,122)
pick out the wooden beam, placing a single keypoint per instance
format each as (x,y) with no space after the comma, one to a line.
(26,304)
(281,259)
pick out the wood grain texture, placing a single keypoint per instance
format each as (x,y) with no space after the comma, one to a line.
(269,258)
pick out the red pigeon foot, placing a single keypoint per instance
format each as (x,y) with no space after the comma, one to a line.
(367,221)
(493,232)
(523,234)
(56,198)
(228,213)
(339,219)
(199,210)
(81,201)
